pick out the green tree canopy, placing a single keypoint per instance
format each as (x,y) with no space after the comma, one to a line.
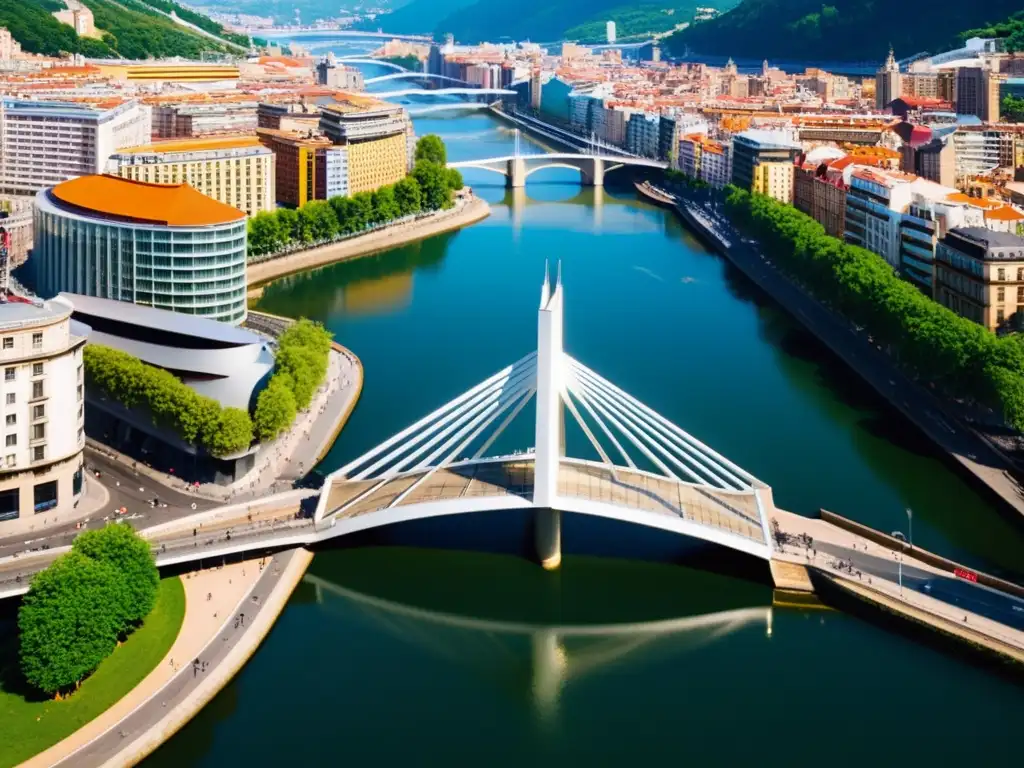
(275,408)
(433,181)
(234,432)
(432,149)
(69,621)
(408,196)
(122,548)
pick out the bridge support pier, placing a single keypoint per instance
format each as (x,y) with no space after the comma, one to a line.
(515,177)
(596,177)
(547,536)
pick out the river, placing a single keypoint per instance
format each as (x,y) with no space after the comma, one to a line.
(438,643)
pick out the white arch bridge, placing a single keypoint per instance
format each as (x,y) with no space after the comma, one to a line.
(440,465)
(410,75)
(518,168)
(444,92)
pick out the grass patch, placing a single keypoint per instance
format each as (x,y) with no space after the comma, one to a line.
(29,725)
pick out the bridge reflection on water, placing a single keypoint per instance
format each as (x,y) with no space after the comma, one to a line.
(558,654)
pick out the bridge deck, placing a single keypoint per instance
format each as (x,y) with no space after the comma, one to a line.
(735,513)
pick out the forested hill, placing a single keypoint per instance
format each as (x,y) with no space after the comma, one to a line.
(474,21)
(843,30)
(132,29)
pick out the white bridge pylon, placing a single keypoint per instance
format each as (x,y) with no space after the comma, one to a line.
(649,472)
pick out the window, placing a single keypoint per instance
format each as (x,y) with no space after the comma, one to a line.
(45,495)
(11,398)
(1020,294)
(10,374)
(37,341)
(38,412)
(10,504)
(1020,274)
(79,393)
(1000,294)
(1001,274)
(1000,316)
(12,419)
(38,431)
(12,440)
(37,369)
(37,389)
(8,342)
(11,460)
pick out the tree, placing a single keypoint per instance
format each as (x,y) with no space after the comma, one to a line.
(432,149)
(288,223)
(433,182)
(343,212)
(69,621)
(120,547)
(454,178)
(265,235)
(385,207)
(275,408)
(361,210)
(318,221)
(1013,108)
(234,432)
(408,196)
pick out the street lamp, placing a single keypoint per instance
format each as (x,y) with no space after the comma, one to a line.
(899,535)
(910,525)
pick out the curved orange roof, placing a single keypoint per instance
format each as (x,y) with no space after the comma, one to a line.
(171,205)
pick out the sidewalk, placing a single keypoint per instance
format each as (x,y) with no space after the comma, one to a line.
(227,586)
(221,643)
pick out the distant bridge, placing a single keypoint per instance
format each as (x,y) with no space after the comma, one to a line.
(410,75)
(283,34)
(445,92)
(378,62)
(517,168)
(460,106)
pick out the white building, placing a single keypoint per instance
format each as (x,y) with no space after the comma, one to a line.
(874,205)
(610,31)
(41,405)
(977,152)
(44,143)
(643,134)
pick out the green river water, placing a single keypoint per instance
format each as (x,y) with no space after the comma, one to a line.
(438,643)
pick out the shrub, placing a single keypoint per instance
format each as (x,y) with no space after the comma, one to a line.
(275,408)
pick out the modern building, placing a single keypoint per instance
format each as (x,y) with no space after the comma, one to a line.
(643,134)
(716,164)
(762,161)
(933,211)
(934,159)
(609,32)
(375,138)
(888,85)
(44,143)
(162,245)
(980,276)
(230,365)
(307,167)
(42,407)
(978,151)
(977,93)
(236,171)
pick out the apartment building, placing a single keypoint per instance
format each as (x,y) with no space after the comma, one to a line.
(375,138)
(306,167)
(762,161)
(933,211)
(41,405)
(820,192)
(874,204)
(237,171)
(44,143)
(202,119)
(980,275)
(977,93)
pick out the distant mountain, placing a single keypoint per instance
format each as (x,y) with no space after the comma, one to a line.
(843,30)
(131,29)
(473,21)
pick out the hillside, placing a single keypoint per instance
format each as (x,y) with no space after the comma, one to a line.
(844,30)
(131,29)
(474,21)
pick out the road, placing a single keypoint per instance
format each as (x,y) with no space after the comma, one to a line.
(917,403)
(124,488)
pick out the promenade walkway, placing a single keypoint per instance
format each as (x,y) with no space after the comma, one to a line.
(226,587)
(917,403)
(218,637)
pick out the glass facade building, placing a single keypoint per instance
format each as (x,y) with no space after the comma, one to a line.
(194,269)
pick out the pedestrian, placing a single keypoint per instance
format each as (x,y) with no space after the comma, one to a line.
(242,617)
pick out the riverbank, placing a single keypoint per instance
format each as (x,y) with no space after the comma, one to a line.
(226,628)
(462,215)
(962,445)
